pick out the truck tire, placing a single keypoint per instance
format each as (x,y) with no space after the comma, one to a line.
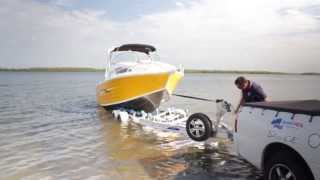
(199,127)
(286,165)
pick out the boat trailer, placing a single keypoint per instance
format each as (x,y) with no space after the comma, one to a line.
(197,126)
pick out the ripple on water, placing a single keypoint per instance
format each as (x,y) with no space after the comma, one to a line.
(56,131)
(80,105)
(193,163)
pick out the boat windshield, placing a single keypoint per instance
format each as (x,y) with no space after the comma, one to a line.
(129,56)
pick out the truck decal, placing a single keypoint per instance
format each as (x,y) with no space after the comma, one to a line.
(276,123)
(288,138)
(279,123)
(314,140)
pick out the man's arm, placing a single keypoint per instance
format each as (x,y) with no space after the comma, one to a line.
(240,103)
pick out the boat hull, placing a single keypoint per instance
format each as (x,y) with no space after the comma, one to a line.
(147,103)
(138,92)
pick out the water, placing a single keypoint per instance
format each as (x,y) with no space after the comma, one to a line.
(51,128)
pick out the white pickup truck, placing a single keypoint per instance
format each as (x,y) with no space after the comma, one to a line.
(281,138)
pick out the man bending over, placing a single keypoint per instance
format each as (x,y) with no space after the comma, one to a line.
(251,91)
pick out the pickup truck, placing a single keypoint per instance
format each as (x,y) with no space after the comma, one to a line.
(282,138)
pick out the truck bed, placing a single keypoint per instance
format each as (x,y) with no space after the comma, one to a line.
(309,107)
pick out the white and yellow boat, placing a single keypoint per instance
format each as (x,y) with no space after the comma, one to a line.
(134,79)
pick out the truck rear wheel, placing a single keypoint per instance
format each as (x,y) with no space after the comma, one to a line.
(199,127)
(286,165)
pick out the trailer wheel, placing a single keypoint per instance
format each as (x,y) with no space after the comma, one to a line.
(199,127)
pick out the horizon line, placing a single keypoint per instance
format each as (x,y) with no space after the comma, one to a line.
(92,69)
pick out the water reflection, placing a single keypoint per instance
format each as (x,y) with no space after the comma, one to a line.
(56,130)
(139,154)
(195,163)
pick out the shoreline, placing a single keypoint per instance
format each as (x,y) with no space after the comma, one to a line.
(187,71)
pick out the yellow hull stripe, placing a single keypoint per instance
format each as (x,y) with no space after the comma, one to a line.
(126,88)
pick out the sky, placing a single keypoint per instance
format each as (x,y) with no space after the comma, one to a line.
(263,35)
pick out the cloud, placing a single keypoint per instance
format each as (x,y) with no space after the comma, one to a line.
(236,35)
(64,3)
(180,4)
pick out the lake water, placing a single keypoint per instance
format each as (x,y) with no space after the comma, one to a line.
(52,128)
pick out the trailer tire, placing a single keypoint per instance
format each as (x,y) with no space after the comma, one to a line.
(199,127)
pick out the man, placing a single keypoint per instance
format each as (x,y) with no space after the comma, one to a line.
(251,91)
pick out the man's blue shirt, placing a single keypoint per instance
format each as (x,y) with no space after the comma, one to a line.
(254,93)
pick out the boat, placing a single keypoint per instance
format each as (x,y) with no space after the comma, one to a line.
(136,79)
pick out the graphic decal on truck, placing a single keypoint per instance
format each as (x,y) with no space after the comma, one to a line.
(314,140)
(280,137)
(276,123)
(279,123)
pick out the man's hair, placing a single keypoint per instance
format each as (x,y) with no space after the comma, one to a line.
(240,80)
